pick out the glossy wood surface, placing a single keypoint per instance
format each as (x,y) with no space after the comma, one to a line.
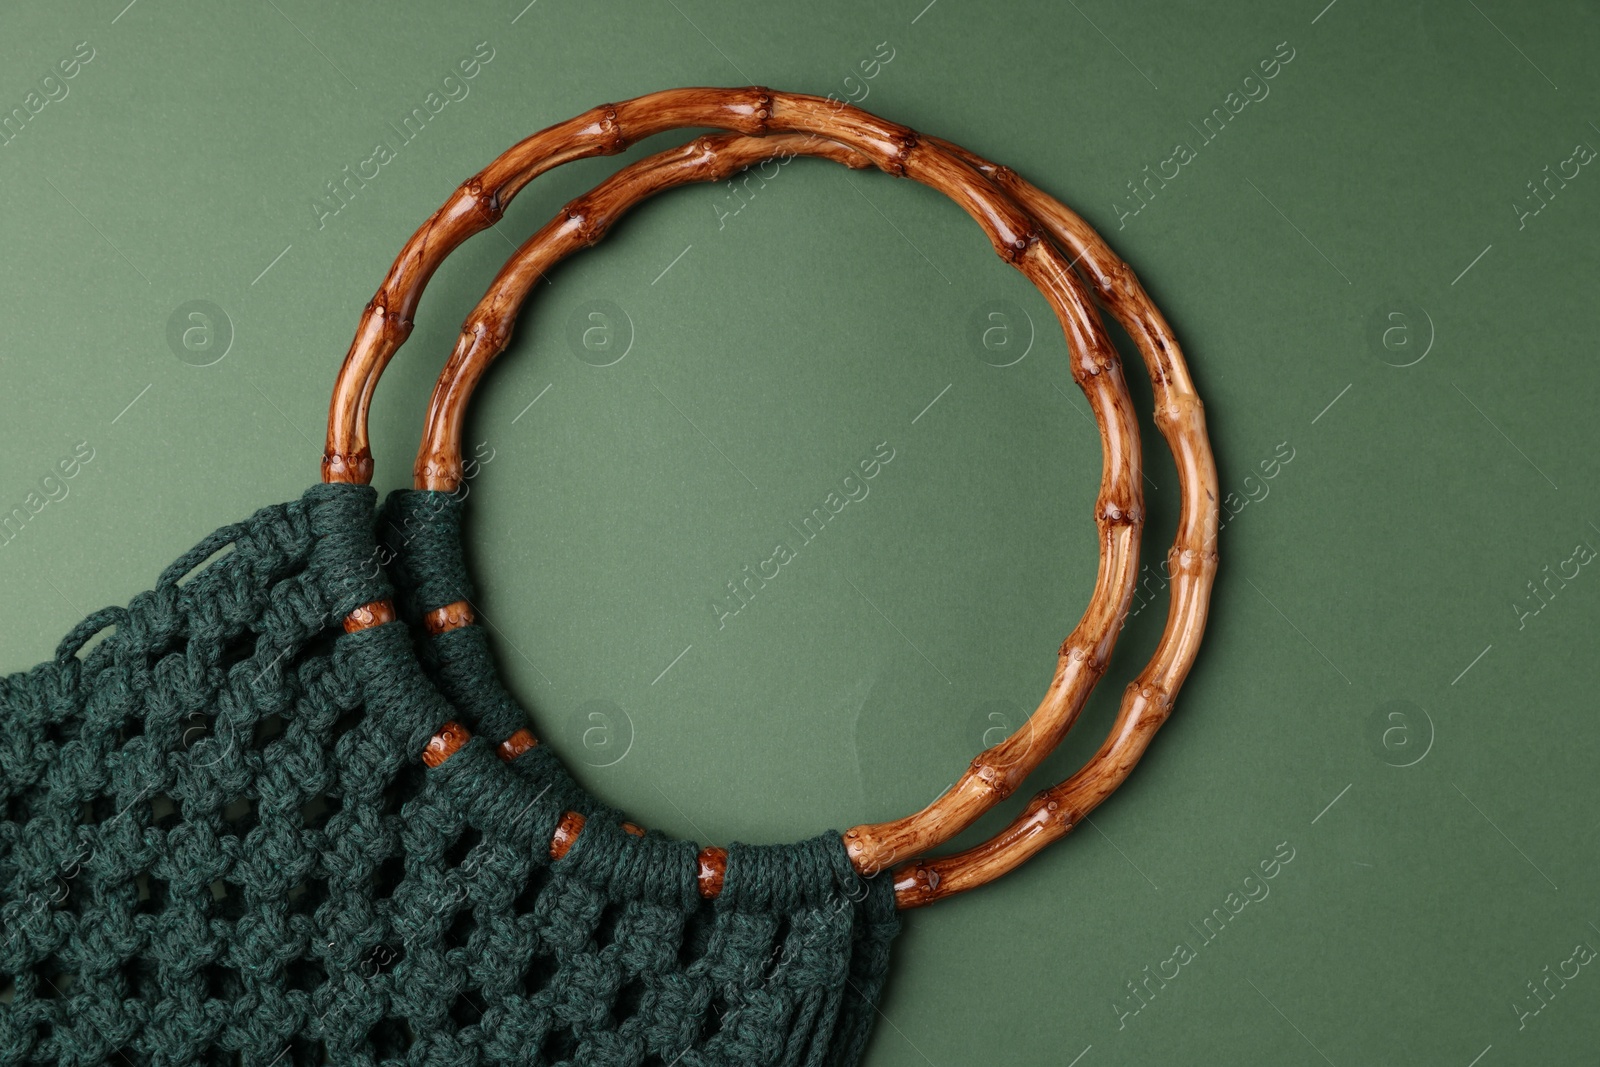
(1009,221)
(1119,513)
(450,617)
(369,615)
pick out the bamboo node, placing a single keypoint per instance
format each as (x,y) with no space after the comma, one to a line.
(924,878)
(995,778)
(590,227)
(705,151)
(353,467)
(515,745)
(1117,277)
(1153,694)
(1045,802)
(450,617)
(611,127)
(437,472)
(566,834)
(444,744)
(367,616)
(762,108)
(1071,649)
(1111,514)
(915,885)
(1190,560)
(1087,367)
(906,140)
(495,331)
(864,852)
(487,203)
(1014,250)
(393,328)
(713,862)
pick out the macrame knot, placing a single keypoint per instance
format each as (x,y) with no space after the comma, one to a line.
(217,834)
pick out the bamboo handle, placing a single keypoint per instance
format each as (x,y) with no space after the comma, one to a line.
(488,329)
(1179,415)
(480,201)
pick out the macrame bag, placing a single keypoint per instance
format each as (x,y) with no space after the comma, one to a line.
(255,815)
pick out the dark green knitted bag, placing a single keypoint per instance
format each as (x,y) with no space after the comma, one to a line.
(222,839)
(219,845)
(255,817)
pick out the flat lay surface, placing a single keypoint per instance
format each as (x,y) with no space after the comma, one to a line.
(782,494)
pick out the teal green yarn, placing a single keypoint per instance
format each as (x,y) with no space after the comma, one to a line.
(839,926)
(422,530)
(421,545)
(217,843)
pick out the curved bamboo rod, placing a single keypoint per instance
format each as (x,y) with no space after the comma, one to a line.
(1192,563)
(480,201)
(1192,559)
(487,332)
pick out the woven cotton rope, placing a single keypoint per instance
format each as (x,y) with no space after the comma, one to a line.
(219,845)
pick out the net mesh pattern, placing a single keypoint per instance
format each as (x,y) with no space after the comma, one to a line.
(218,845)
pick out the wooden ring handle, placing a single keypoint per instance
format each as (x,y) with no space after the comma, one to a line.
(488,330)
(1192,563)
(480,201)
(1193,558)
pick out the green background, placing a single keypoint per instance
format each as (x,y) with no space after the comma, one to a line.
(1366,613)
